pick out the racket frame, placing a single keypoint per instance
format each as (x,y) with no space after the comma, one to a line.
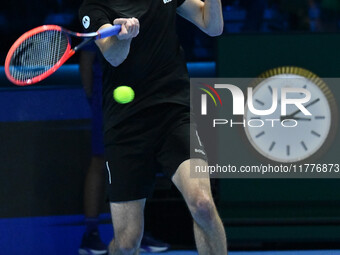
(68,52)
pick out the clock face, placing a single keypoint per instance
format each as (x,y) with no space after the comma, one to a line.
(294,137)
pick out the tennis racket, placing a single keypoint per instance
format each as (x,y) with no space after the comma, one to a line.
(39,52)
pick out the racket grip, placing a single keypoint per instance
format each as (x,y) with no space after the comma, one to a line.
(109,31)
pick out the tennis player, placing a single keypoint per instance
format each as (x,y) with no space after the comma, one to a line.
(153,131)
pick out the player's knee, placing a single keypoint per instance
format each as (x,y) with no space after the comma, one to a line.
(129,247)
(202,207)
(128,243)
(127,250)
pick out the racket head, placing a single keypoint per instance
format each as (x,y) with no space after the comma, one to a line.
(37,54)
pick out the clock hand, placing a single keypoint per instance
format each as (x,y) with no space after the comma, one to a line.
(311,103)
(291,116)
(295,118)
(301,118)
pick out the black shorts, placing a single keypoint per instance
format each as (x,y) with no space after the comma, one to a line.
(156,139)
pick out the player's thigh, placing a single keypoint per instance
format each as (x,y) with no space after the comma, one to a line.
(128,219)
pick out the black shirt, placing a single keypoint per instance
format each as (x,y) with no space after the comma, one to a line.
(155,67)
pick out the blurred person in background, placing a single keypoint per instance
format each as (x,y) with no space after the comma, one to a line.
(94,187)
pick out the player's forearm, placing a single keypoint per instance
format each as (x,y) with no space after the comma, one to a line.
(212,17)
(115,51)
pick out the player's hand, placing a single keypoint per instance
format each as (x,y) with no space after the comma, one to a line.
(130,28)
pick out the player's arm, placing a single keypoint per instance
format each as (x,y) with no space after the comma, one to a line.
(115,49)
(205,15)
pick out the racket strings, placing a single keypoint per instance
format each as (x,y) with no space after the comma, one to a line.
(37,54)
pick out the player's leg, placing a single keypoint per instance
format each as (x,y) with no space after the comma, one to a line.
(128,223)
(131,177)
(174,155)
(208,228)
(94,186)
(94,189)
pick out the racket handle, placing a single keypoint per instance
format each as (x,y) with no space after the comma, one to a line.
(108,31)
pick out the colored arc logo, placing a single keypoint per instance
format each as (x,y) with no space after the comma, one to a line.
(211,95)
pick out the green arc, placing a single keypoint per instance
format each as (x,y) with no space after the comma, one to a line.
(206,91)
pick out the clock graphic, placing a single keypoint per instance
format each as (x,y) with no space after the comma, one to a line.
(295,137)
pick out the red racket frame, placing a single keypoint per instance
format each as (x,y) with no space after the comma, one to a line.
(68,52)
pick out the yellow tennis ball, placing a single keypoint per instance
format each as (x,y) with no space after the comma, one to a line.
(123,94)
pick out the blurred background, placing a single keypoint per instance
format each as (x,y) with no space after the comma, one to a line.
(45,134)
(241,16)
